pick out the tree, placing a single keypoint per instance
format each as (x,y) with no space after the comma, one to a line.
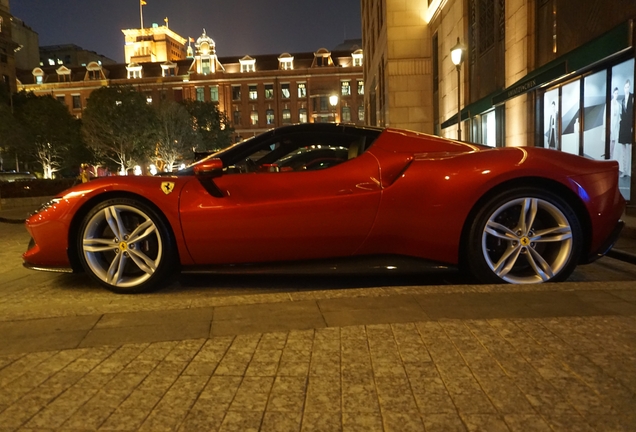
(118,123)
(212,125)
(48,130)
(176,135)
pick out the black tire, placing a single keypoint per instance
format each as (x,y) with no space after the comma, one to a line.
(126,246)
(541,244)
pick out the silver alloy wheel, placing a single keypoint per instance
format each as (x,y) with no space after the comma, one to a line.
(527,240)
(122,246)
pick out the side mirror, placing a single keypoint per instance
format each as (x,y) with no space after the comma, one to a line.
(209,168)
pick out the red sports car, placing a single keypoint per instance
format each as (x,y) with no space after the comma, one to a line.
(327,197)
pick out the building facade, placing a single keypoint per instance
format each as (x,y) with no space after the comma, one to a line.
(28,55)
(549,73)
(256,93)
(7,48)
(70,55)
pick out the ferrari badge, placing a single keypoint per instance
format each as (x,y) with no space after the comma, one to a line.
(167,187)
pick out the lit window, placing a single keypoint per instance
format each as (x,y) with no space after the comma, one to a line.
(286,116)
(360,87)
(285,91)
(51,62)
(285,62)
(200,94)
(270,116)
(302,115)
(361,113)
(302,90)
(253,94)
(248,64)
(39,79)
(269,91)
(214,93)
(205,66)
(345,88)
(357,57)
(254,118)
(236,92)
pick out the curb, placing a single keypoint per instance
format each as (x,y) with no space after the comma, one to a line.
(12,221)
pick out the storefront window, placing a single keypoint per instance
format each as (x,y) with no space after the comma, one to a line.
(551,119)
(489,129)
(622,89)
(570,117)
(595,91)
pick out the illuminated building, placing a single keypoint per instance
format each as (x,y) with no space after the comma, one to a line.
(532,70)
(256,92)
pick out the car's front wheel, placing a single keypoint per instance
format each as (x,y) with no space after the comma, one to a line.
(126,246)
(524,236)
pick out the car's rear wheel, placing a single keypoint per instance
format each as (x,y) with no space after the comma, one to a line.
(126,246)
(524,236)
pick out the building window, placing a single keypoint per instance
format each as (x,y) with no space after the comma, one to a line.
(346,114)
(236,92)
(214,93)
(253,94)
(248,64)
(236,117)
(39,79)
(345,88)
(205,66)
(357,58)
(302,115)
(285,91)
(270,116)
(254,118)
(61,99)
(286,116)
(269,91)
(200,94)
(361,113)
(77,102)
(360,87)
(302,90)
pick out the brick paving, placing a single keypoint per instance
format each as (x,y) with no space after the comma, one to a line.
(223,357)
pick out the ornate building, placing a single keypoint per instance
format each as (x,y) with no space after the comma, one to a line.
(256,93)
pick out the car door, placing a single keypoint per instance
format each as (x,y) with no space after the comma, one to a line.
(281,215)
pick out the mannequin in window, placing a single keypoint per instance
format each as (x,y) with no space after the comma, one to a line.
(626,131)
(552,127)
(616,109)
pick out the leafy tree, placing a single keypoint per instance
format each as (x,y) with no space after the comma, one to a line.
(119,124)
(212,125)
(48,130)
(176,135)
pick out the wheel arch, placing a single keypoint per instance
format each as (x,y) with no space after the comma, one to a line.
(536,182)
(80,214)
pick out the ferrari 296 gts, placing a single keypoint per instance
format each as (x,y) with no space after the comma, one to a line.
(334,197)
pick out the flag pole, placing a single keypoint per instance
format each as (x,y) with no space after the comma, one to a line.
(141,12)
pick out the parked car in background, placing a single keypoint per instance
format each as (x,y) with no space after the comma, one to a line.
(11,176)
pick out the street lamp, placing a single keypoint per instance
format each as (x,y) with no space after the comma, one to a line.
(457,56)
(333,101)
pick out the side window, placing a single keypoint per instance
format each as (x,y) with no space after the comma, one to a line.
(300,152)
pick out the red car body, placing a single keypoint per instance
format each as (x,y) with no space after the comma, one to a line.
(407,194)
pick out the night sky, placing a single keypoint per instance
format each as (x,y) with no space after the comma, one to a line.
(239,27)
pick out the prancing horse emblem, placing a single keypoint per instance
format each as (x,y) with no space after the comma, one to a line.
(167,187)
